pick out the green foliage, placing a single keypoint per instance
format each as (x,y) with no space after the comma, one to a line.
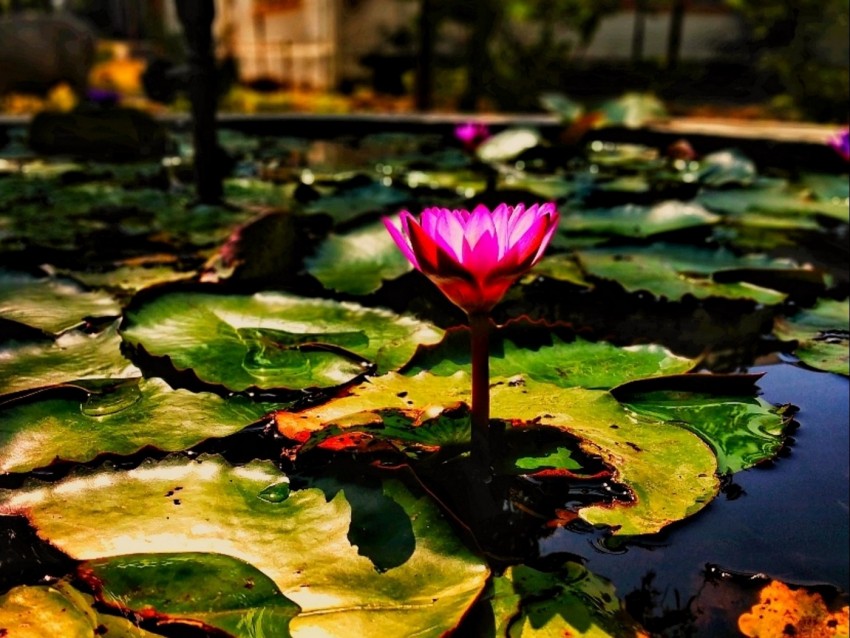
(206,506)
(790,43)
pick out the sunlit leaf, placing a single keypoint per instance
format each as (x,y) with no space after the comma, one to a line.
(743,431)
(301,543)
(59,610)
(568,110)
(121,419)
(673,272)
(507,144)
(75,355)
(50,304)
(822,333)
(561,267)
(638,221)
(578,363)
(669,471)
(632,110)
(727,167)
(776,200)
(221,592)
(273,340)
(358,262)
(573,601)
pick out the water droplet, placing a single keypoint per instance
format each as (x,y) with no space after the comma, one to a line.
(276,493)
(112,402)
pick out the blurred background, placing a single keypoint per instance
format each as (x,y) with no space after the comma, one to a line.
(785,59)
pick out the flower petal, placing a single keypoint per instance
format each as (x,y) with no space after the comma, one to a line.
(401,239)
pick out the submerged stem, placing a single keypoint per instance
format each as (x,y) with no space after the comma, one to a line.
(479,324)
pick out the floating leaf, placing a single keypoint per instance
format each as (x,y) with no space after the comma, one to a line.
(727,167)
(669,471)
(273,340)
(773,200)
(578,363)
(75,355)
(59,610)
(573,601)
(133,276)
(632,110)
(822,333)
(358,262)
(347,205)
(559,267)
(743,431)
(673,272)
(782,611)
(638,221)
(300,543)
(219,591)
(507,144)
(52,305)
(568,110)
(120,419)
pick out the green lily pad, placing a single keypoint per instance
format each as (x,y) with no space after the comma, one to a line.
(131,277)
(828,188)
(560,267)
(822,333)
(346,205)
(673,272)
(219,591)
(466,183)
(669,471)
(579,363)
(300,542)
(120,419)
(273,340)
(569,110)
(49,304)
(73,356)
(742,431)
(638,221)
(257,192)
(775,200)
(59,610)
(507,144)
(358,262)
(546,187)
(632,110)
(573,601)
(727,167)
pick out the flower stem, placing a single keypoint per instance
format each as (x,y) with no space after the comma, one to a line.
(479,324)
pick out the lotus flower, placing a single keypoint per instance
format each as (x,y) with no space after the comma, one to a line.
(471,134)
(474,257)
(841,143)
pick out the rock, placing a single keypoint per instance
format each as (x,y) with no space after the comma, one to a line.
(37,52)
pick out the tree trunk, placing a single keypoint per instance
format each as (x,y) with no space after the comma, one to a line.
(674,39)
(196,17)
(638,32)
(425,57)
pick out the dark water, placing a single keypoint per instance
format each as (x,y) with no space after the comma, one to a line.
(788,521)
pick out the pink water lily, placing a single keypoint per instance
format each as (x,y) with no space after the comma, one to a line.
(474,257)
(471,134)
(841,143)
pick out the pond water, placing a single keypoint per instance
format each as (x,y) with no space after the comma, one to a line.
(787,521)
(170,374)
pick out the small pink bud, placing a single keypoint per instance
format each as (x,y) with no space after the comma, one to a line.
(840,141)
